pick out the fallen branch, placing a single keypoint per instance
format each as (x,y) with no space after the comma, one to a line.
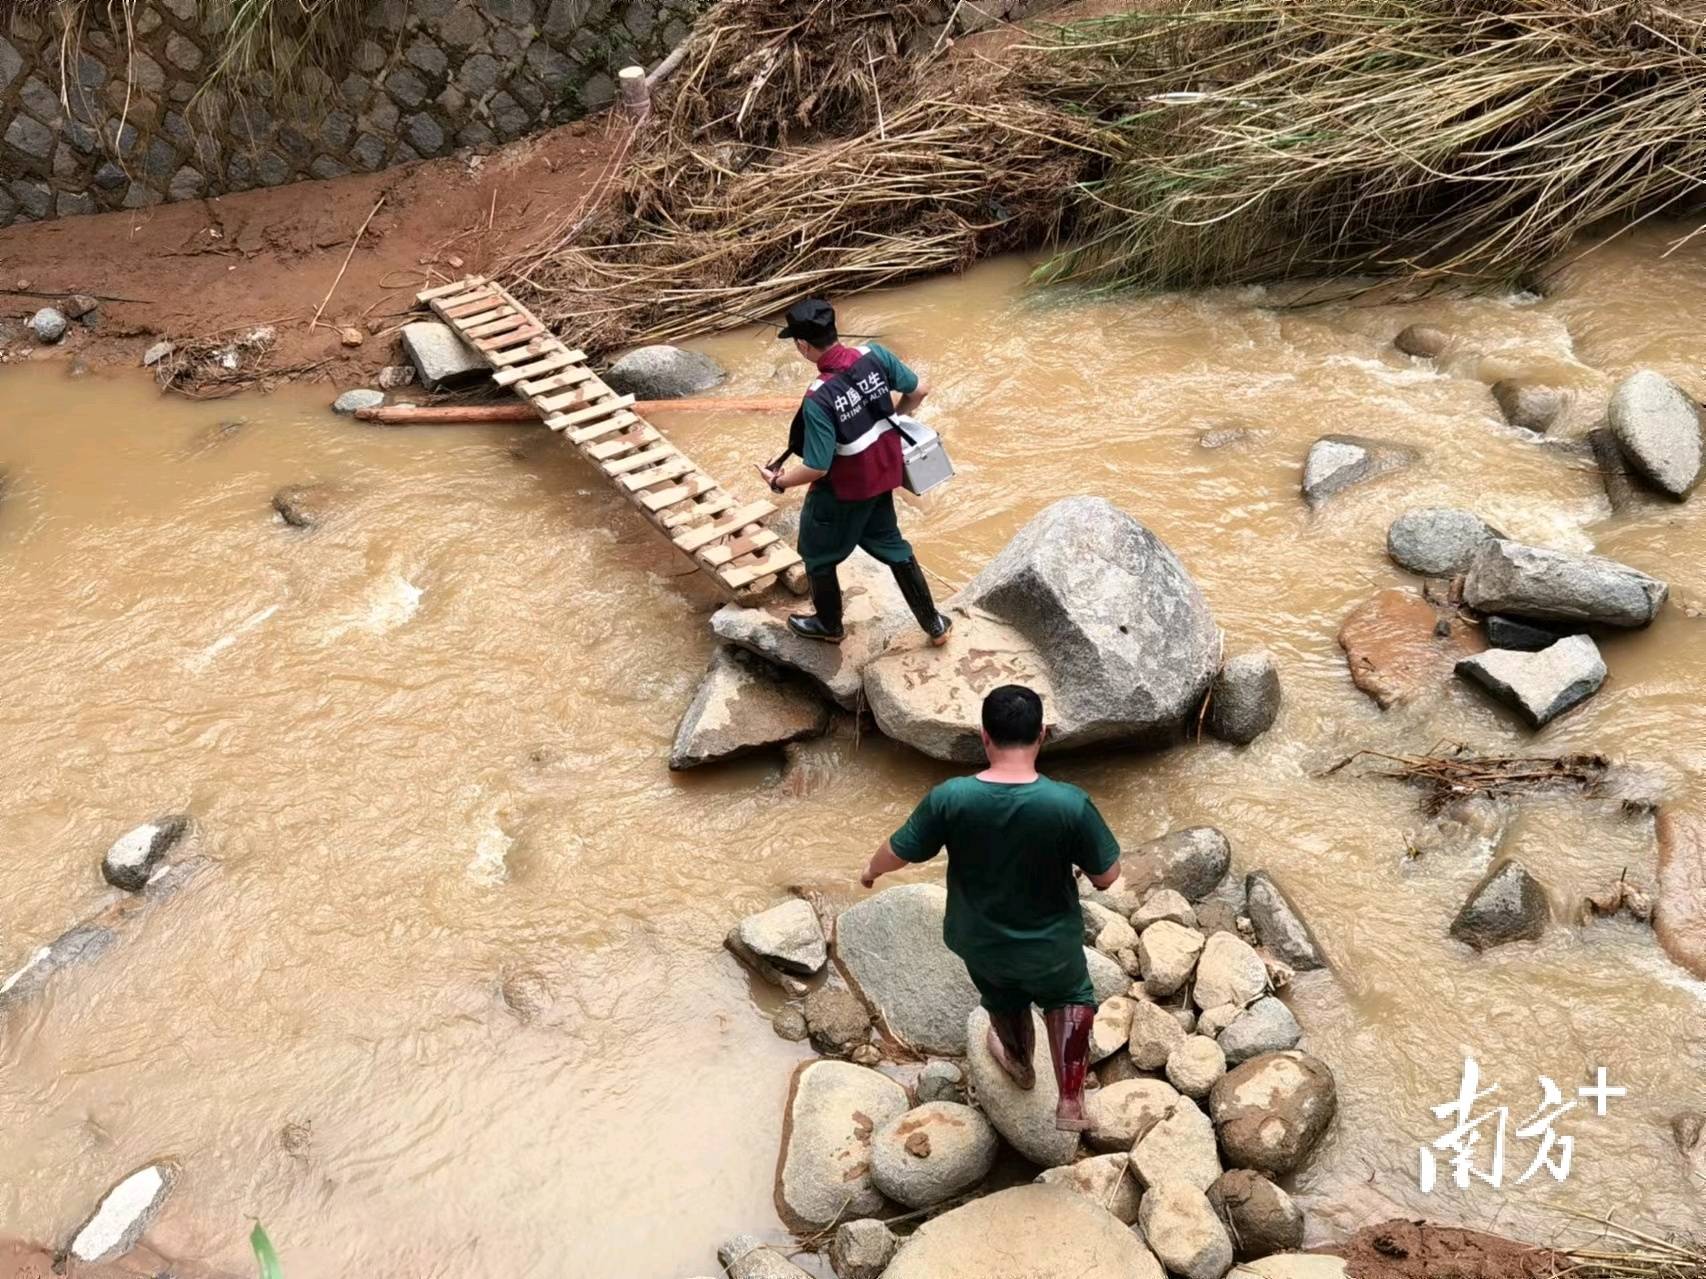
(354,244)
(443,414)
(1458,773)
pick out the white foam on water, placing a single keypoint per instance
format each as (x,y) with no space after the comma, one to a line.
(1382,371)
(491,857)
(393,602)
(202,660)
(125,1202)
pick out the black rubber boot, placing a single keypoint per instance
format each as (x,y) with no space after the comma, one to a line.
(825,624)
(916,592)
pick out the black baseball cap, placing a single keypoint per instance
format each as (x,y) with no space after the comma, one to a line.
(811,321)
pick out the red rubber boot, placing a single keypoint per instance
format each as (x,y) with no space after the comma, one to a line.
(1012,1042)
(1069,1047)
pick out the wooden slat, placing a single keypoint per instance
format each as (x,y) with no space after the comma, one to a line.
(695,486)
(614,448)
(604,408)
(718,555)
(469,304)
(515,320)
(498,312)
(549,404)
(693,539)
(559,382)
(600,429)
(532,351)
(713,505)
(446,290)
(549,364)
(779,558)
(640,461)
(504,341)
(674,468)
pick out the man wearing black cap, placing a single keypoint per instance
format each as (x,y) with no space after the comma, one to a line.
(850,454)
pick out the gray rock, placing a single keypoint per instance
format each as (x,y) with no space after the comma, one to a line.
(874,613)
(941,1081)
(1105,929)
(124,1214)
(1338,462)
(789,1021)
(1121,1113)
(1658,429)
(1025,1119)
(837,1022)
(154,354)
(1181,1147)
(1105,1180)
(663,373)
(1107,976)
(1615,472)
(1527,405)
(133,856)
(1037,1231)
(1532,582)
(1155,1033)
(1437,541)
(1271,1111)
(1522,636)
(441,359)
(1111,1030)
(1181,1227)
(1229,972)
(1295,1265)
(1539,686)
(1507,905)
(48,325)
(353,401)
(1244,700)
(1168,952)
(932,1153)
(1195,1066)
(789,936)
(1266,1026)
(745,1257)
(393,377)
(1278,924)
(87,941)
(302,505)
(1259,1217)
(1163,904)
(1191,862)
(891,945)
(833,1111)
(744,704)
(861,1249)
(1423,340)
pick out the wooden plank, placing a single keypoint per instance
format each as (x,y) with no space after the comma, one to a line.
(534,350)
(466,322)
(614,448)
(560,382)
(676,493)
(779,558)
(446,290)
(504,341)
(640,461)
(592,413)
(600,429)
(672,469)
(719,555)
(513,321)
(713,505)
(579,397)
(549,364)
(693,539)
(469,304)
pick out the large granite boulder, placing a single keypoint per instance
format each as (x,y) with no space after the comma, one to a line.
(1437,541)
(442,359)
(1168,953)
(1180,1147)
(1679,906)
(891,946)
(1229,972)
(1272,1110)
(1539,686)
(1658,429)
(1121,1113)
(834,1109)
(1279,926)
(1122,636)
(873,613)
(1338,462)
(1191,862)
(932,1153)
(1507,905)
(1245,698)
(1266,1026)
(1260,1217)
(1181,1227)
(663,372)
(1102,1179)
(1196,1065)
(1532,581)
(787,936)
(1025,1119)
(744,704)
(1040,1232)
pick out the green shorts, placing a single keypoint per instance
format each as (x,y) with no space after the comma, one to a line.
(1068,984)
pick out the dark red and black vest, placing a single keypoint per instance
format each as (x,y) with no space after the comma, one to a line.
(858,399)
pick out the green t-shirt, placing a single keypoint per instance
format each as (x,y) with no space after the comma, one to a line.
(1012,904)
(820,426)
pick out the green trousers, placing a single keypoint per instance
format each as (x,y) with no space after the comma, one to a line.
(831,530)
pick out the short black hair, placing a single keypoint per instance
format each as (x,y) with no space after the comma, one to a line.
(1013,716)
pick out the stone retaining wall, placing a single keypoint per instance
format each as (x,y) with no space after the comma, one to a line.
(426,77)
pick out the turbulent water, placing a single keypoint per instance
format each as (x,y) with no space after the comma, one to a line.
(450,997)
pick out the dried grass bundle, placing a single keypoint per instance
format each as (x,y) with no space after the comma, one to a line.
(1442,140)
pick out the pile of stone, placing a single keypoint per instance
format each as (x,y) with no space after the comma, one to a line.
(1201,1097)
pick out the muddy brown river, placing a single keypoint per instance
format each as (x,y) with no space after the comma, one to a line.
(425,745)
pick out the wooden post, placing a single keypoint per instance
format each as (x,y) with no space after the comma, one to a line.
(636,93)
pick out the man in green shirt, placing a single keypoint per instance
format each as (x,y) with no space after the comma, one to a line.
(1015,841)
(850,453)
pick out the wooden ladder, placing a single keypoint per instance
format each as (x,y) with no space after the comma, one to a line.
(725,538)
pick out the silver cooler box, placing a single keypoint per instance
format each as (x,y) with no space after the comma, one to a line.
(927,464)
